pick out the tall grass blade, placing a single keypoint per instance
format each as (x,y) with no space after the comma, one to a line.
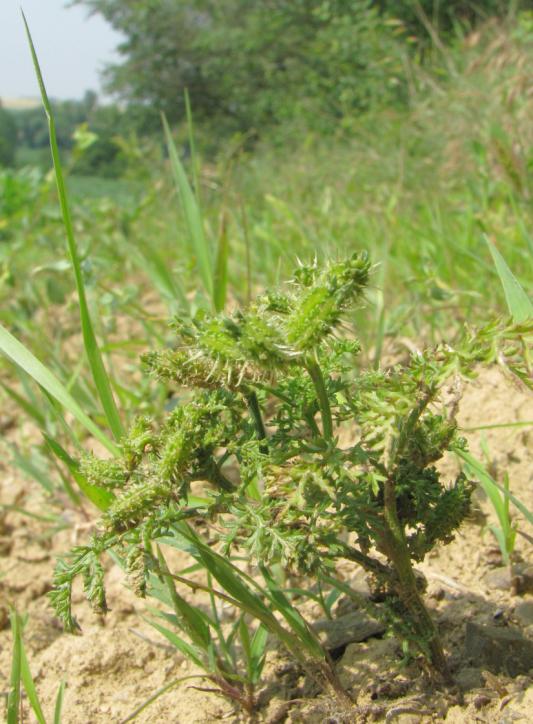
(518,302)
(98,370)
(180,644)
(21,675)
(190,618)
(21,356)
(478,471)
(156,696)
(191,210)
(29,687)
(58,709)
(160,275)
(235,583)
(13,698)
(192,147)
(220,279)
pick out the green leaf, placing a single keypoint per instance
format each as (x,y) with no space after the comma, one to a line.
(502,543)
(519,304)
(58,709)
(99,373)
(190,618)
(29,687)
(481,473)
(20,673)
(191,210)
(13,698)
(186,649)
(220,279)
(291,615)
(257,652)
(168,285)
(12,348)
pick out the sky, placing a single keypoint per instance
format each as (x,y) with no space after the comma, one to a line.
(71,47)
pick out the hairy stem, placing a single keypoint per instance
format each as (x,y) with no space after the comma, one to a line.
(394,545)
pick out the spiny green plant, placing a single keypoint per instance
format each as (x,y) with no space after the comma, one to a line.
(304,459)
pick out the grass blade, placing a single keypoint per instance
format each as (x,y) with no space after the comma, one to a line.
(192,147)
(160,275)
(220,278)
(21,675)
(190,618)
(519,304)
(478,471)
(13,698)
(180,644)
(192,213)
(98,370)
(12,348)
(156,696)
(29,687)
(58,709)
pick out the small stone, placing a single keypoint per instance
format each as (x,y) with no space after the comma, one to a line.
(352,628)
(520,582)
(524,613)
(499,649)
(469,678)
(499,578)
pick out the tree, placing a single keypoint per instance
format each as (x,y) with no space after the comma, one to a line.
(253,63)
(250,63)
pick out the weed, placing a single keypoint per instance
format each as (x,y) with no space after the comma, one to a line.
(273,395)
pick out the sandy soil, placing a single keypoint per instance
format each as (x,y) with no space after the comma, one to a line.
(119,662)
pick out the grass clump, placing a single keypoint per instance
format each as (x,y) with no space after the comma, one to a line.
(304,459)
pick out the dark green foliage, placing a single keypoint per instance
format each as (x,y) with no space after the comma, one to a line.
(8,138)
(252,64)
(304,460)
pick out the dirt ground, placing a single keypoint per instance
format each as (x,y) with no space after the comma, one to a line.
(119,662)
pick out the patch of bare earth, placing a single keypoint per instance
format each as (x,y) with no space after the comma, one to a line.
(119,661)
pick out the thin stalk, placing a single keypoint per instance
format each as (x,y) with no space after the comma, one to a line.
(317,377)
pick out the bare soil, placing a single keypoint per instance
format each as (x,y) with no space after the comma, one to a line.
(119,661)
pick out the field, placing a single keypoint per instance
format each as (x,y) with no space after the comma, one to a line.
(279,626)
